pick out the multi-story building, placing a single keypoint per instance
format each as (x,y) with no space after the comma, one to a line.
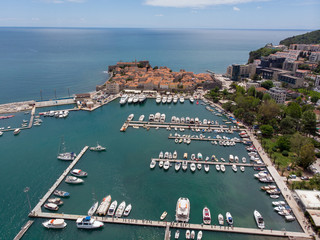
(112,87)
(314,57)
(278,94)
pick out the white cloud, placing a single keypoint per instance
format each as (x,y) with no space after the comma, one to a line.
(236,9)
(259,7)
(35,19)
(194,3)
(158,15)
(64,1)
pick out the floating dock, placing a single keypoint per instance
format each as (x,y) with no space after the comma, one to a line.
(37,208)
(205,139)
(23,230)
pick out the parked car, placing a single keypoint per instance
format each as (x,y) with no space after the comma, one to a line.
(304,178)
(292,176)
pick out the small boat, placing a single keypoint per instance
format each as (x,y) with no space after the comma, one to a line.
(184,165)
(161,164)
(79,173)
(61,193)
(93,209)
(206,216)
(88,223)
(218,167)
(98,148)
(223,168)
(16,131)
(185,155)
(259,219)
(193,234)
(199,156)
(104,206)
(199,235)
(242,168)
(153,164)
(220,219)
(56,201)
(175,155)
(177,166)
(177,234)
(181,99)
(274,196)
(163,215)
(234,168)
(51,206)
(141,118)
(193,156)
(231,159)
(188,234)
(277,203)
(161,155)
(120,209)
(127,210)
(244,159)
(206,168)
(229,218)
(130,117)
(199,166)
(289,218)
(166,165)
(55,223)
(192,167)
(112,208)
(73,180)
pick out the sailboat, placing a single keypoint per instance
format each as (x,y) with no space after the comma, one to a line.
(63,155)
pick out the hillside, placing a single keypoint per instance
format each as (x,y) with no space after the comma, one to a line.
(261,52)
(307,38)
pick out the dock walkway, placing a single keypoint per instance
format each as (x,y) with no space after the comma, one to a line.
(37,209)
(191,226)
(23,230)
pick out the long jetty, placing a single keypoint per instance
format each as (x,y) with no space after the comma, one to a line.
(37,209)
(177,225)
(23,230)
(204,139)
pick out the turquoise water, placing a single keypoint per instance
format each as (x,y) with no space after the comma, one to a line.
(54,60)
(29,159)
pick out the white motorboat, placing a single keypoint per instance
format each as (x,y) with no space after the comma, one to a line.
(192,167)
(177,166)
(158,99)
(289,218)
(127,210)
(173,119)
(175,99)
(104,206)
(56,201)
(135,99)
(191,99)
(162,118)
(259,219)
(61,193)
(175,155)
(218,167)
(163,215)
(242,168)
(51,206)
(199,235)
(142,98)
(231,158)
(166,165)
(199,156)
(141,118)
(277,203)
(244,159)
(164,99)
(93,209)
(120,209)
(220,219)
(161,155)
(193,234)
(55,223)
(112,208)
(199,166)
(229,218)
(183,210)
(185,155)
(188,234)
(88,223)
(184,165)
(160,164)
(177,234)
(124,99)
(181,99)
(63,155)
(79,173)
(206,168)
(153,164)
(166,155)
(130,99)
(130,117)
(274,196)
(206,216)
(169,99)
(1,133)
(222,168)
(236,159)
(234,168)
(193,156)
(151,117)
(73,180)
(98,148)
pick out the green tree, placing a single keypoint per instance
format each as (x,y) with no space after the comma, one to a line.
(297,141)
(307,107)
(240,90)
(227,106)
(294,110)
(268,110)
(267,84)
(288,125)
(252,91)
(249,118)
(309,122)
(283,143)
(307,155)
(266,97)
(256,77)
(299,100)
(314,99)
(260,95)
(238,113)
(266,130)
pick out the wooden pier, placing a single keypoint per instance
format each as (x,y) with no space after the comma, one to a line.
(176,225)
(209,162)
(37,209)
(23,230)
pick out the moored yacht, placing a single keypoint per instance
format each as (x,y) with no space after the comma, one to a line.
(206,168)
(259,219)
(88,223)
(177,166)
(56,201)
(93,209)
(79,173)
(61,193)
(184,165)
(142,98)
(104,206)
(175,155)
(192,167)
(199,156)
(220,219)
(169,100)
(112,208)
(120,209)
(222,168)
(206,216)
(97,148)
(166,165)
(183,210)
(158,99)
(124,99)
(130,99)
(152,164)
(51,206)
(199,235)
(175,99)
(141,118)
(135,99)
(231,158)
(73,180)
(181,99)
(130,117)
(151,117)
(191,99)
(16,131)
(55,223)
(229,218)
(234,168)
(127,210)
(164,99)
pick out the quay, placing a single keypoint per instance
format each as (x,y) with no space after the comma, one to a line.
(23,230)
(205,139)
(209,162)
(51,103)
(191,226)
(37,209)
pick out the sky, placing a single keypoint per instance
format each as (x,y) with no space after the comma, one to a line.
(229,14)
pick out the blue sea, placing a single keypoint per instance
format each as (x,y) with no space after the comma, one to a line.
(51,63)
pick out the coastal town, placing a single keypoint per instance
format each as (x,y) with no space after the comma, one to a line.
(272,104)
